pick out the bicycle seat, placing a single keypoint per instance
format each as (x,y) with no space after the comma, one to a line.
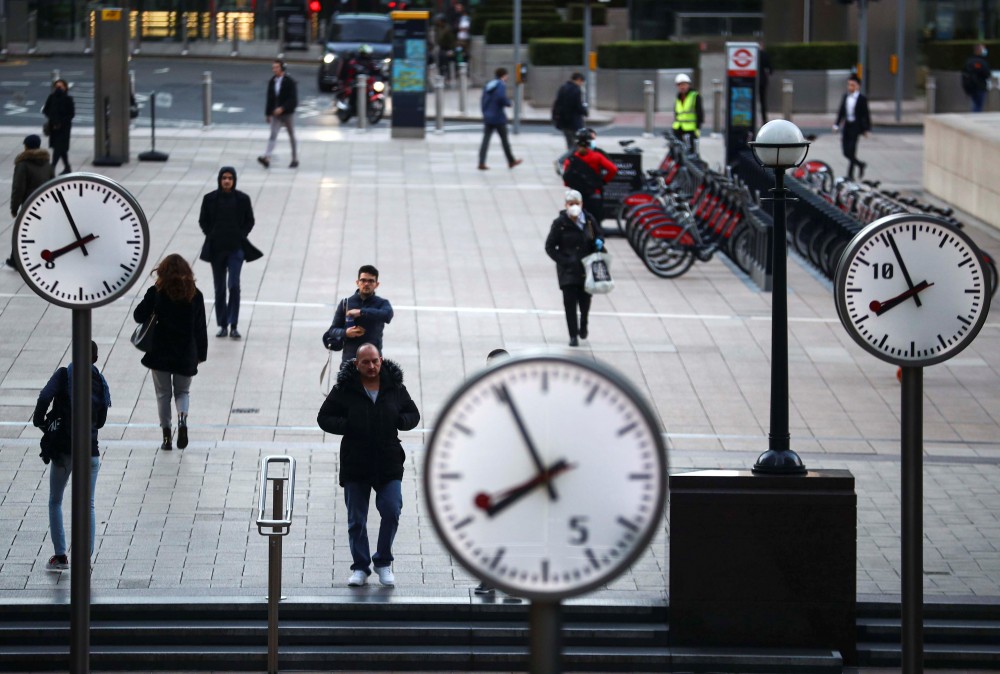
(625,143)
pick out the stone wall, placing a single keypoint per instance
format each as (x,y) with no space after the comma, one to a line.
(960,164)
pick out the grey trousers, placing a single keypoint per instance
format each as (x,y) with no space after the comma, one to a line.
(169,386)
(278,121)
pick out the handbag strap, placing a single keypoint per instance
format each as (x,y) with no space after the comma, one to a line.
(326,373)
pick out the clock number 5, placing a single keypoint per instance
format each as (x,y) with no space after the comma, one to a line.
(581,533)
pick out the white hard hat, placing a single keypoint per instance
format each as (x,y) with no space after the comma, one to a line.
(682,79)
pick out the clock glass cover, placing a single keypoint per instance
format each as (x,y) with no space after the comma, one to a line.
(911,289)
(81,240)
(546,476)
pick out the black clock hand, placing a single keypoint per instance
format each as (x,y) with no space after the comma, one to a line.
(72,223)
(50,255)
(504,395)
(902,266)
(495,504)
(881,307)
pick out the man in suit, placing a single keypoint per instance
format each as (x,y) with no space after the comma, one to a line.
(853,120)
(282,97)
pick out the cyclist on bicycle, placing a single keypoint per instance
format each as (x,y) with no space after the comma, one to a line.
(587,171)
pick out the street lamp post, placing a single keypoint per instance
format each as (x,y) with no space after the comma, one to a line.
(779,146)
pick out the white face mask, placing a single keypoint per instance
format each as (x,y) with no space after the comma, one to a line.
(573,211)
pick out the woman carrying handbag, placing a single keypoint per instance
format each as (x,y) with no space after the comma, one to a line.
(179,342)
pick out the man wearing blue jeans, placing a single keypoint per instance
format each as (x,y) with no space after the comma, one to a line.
(57,393)
(369,406)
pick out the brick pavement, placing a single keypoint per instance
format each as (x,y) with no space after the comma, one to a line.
(461,258)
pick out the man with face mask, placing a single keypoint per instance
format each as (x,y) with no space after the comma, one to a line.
(976,76)
(574,235)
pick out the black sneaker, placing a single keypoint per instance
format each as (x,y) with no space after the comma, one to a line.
(182,434)
(10,263)
(57,563)
(223,332)
(234,333)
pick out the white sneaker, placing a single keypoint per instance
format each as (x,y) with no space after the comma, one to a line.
(385,576)
(358,578)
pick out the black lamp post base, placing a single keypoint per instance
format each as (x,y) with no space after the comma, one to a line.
(779,462)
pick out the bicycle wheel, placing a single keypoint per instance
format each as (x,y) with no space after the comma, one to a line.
(665,258)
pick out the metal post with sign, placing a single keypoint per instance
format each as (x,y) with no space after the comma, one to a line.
(409,74)
(741,96)
(111,87)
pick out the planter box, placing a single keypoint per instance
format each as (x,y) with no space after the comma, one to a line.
(950,97)
(622,90)
(544,81)
(497,56)
(815,90)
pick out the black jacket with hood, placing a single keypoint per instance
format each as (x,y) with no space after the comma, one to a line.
(567,245)
(370,450)
(226,218)
(32,169)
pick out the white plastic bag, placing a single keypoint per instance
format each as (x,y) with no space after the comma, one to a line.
(598,268)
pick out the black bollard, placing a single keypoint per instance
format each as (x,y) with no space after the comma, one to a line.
(153,155)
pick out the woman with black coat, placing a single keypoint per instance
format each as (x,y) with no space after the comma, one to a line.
(574,235)
(180,341)
(59,112)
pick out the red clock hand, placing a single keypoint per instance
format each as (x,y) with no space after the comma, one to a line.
(494,504)
(50,255)
(881,307)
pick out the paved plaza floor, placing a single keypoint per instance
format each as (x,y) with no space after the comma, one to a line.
(461,258)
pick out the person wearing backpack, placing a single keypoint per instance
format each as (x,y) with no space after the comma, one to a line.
(492,103)
(976,76)
(57,392)
(587,171)
(569,109)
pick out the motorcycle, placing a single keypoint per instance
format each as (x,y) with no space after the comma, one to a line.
(374,96)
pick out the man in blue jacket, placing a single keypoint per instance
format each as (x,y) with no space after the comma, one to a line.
(359,318)
(493,102)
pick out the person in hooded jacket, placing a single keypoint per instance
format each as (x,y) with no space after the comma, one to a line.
(59,111)
(31,170)
(180,341)
(369,406)
(493,103)
(574,235)
(226,219)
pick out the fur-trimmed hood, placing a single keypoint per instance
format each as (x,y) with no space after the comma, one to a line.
(390,373)
(38,156)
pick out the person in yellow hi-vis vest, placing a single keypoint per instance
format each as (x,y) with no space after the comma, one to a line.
(688,112)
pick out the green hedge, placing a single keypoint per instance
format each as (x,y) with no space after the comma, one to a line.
(479,21)
(952,54)
(813,56)
(648,54)
(556,51)
(598,13)
(595,4)
(502,31)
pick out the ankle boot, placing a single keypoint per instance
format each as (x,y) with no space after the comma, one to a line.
(182,431)
(166,440)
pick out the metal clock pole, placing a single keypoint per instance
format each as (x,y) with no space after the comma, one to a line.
(545,625)
(912,447)
(80,429)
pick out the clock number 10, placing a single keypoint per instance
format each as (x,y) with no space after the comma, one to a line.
(883,271)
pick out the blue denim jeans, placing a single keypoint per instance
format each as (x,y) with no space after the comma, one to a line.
(227,313)
(389,503)
(59,473)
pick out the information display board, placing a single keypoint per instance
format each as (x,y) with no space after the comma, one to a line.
(741,96)
(409,74)
(627,180)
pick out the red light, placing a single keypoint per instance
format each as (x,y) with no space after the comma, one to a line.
(314,6)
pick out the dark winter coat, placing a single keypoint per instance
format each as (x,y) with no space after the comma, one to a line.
(493,102)
(180,339)
(32,168)
(370,450)
(567,245)
(226,220)
(569,108)
(375,313)
(60,111)
(975,74)
(287,98)
(57,392)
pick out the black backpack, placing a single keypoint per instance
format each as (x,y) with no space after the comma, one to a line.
(56,439)
(580,177)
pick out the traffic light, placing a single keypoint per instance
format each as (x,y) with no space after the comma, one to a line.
(315,6)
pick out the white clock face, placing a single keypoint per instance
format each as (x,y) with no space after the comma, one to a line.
(911,289)
(546,476)
(81,240)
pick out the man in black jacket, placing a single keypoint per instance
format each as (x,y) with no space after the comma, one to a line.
(976,76)
(368,406)
(31,170)
(853,120)
(282,99)
(226,219)
(569,109)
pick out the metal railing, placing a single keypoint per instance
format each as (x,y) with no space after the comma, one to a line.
(275,528)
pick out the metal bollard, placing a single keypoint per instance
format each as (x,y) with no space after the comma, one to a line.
(55,75)
(184,35)
(321,38)
(137,43)
(787,98)
(438,104)
(236,36)
(463,87)
(716,106)
(278,525)
(649,97)
(206,95)
(32,32)
(452,74)
(3,37)
(87,44)
(930,104)
(993,95)
(281,35)
(361,102)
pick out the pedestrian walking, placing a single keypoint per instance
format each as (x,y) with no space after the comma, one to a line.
(493,102)
(31,170)
(976,77)
(587,171)
(444,43)
(226,218)
(764,72)
(368,406)
(59,112)
(359,318)
(57,393)
(569,109)
(689,114)
(853,120)
(282,99)
(574,235)
(180,341)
